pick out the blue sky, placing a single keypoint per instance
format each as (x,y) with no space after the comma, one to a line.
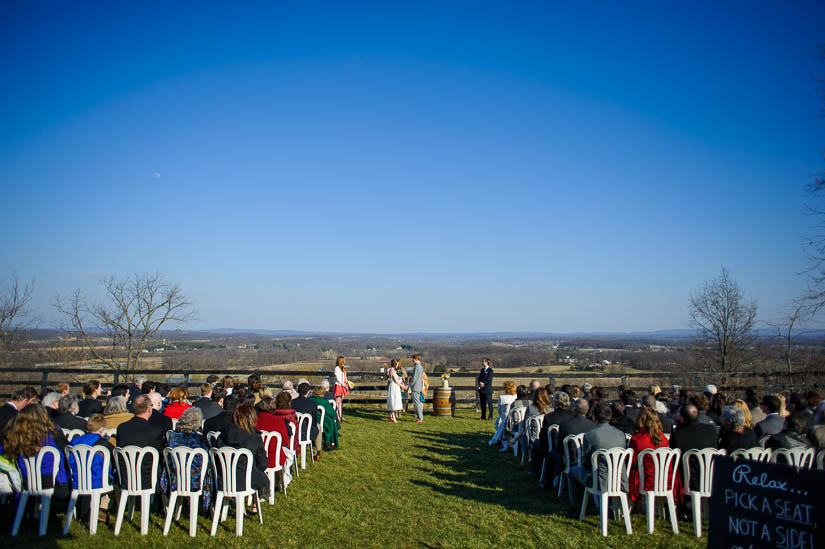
(420,167)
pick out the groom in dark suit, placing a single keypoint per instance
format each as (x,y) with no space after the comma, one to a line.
(484,385)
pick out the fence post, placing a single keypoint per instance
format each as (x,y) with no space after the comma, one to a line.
(44,380)
(553,381)
(116,378)
(186,380)
(624,381)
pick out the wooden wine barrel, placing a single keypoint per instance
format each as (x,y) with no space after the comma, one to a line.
(443,401)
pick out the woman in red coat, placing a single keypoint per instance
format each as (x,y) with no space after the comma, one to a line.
(177,403)
(283,410)
(267,421)
(648,436)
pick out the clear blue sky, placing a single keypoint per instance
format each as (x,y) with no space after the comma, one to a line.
(435,167)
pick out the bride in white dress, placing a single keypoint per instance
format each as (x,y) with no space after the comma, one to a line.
(394,386)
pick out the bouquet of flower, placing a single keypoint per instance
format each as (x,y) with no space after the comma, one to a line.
(350,384)
(445,376)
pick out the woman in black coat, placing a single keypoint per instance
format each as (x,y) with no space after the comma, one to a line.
(241,433)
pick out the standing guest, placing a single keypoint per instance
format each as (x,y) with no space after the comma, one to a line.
(792,435)
(601,437)
(90,405)
(19,400)
(754,405)
(691,434)
(67,418)
(49,402)
(218,422)
(284,411)
(116,413)
(394,387)
(229,384)
(268,421)
(156,418)
(484,386)
(208,407)
(734,433)
(241,433)
(417,388)
(139,432)
(304,405)
(187,435)
(773,422)
(25,435)
(329,431)
(341,388)
(178,403)
(62,389)
(648,435)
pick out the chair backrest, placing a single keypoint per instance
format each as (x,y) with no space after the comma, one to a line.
(332,401)
(820,460)
(627,438)
(756,453)
(109,432)
(801,458)
(83,456)
(129,461)
(534,423)
(168,434)
(665,467)
(667,436)
(303,433)
(764,440)
(211,437)
(321,417)
(225,466)
(575,442)
(617,463)
(550,430)
(33,479)
(273,437)
(174,423)
(179,464)
(704,459)
(71,433)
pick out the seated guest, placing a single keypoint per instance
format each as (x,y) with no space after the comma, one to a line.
(650,401)
(135,389)
(139,432)
(49,402)
(817,435)
(601,437)
(576,425)
(28,431)
(94,437)
(156,418)
(783,409)
(507,398)
(228,384)
(253,384)
(283,410)
(753,401)
(178,403)
(120,390)
(799,405)
(90,405)
(67,418)
(717,402)
(328,393)
(187,435)
(304,405)
(742,405)
(115,413)
(560,414)
(702,404)
(773,421)
(62,389)
(648,435)
(289,387)
(208,406)
(522,397)
(329,429)
(619,420)
(19,400)
(218,422)
(268,421)
(734,434)
(540,406)
(241,433)
(148,387)
(631,405)
(690,434)
(792,435)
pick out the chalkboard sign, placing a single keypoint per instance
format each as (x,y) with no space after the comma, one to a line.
(755,504)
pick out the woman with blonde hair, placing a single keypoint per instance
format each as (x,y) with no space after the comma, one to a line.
(742,405)
(783,410)
(505,401)
(178,403)
(647,435)
(394,386)
(341,388)
(115,413)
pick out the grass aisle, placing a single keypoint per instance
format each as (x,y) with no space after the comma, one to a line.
(437,484)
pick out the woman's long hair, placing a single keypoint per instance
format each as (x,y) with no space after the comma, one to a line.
(27,431)
(540,401)
(245,417)
(340,362)
(649,423)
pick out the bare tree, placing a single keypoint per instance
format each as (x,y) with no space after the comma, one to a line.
(789,327)
(16,316)
(128,320)
(724,324)
(815,246)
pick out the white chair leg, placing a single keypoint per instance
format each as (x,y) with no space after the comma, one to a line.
(260,512)
(239,508)
(170,510)
(70,512)
(603,514)
(45,505)
(216,514)
(671,507)
(650,511)
(18,518)
(179,509)
(626,513)
(94,512)
(121,510)
(561,482)
(584,505)
(697,514)
(541,475)
(144,514)
(193,515)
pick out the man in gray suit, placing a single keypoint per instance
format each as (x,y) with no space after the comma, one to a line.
(601,437)
(416,388)
(773,422)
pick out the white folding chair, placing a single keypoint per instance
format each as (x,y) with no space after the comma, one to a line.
(174,423)
(225,467)
(533,426)
(801,458)
(84,456)
(627,440)
(179,464)
(167,435)
(109,432)
(33,486)
(321,418)
(665,469)
(129,462)
(704,458)
(820,460)
(667,436)
(305,443)
(293,436)
(617,461)
(211,437)
(764,440)
(71,433)
(755,454)
(576,442)
(550,430)
(518,418)
(269,438)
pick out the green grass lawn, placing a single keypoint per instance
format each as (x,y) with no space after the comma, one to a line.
(437,484)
